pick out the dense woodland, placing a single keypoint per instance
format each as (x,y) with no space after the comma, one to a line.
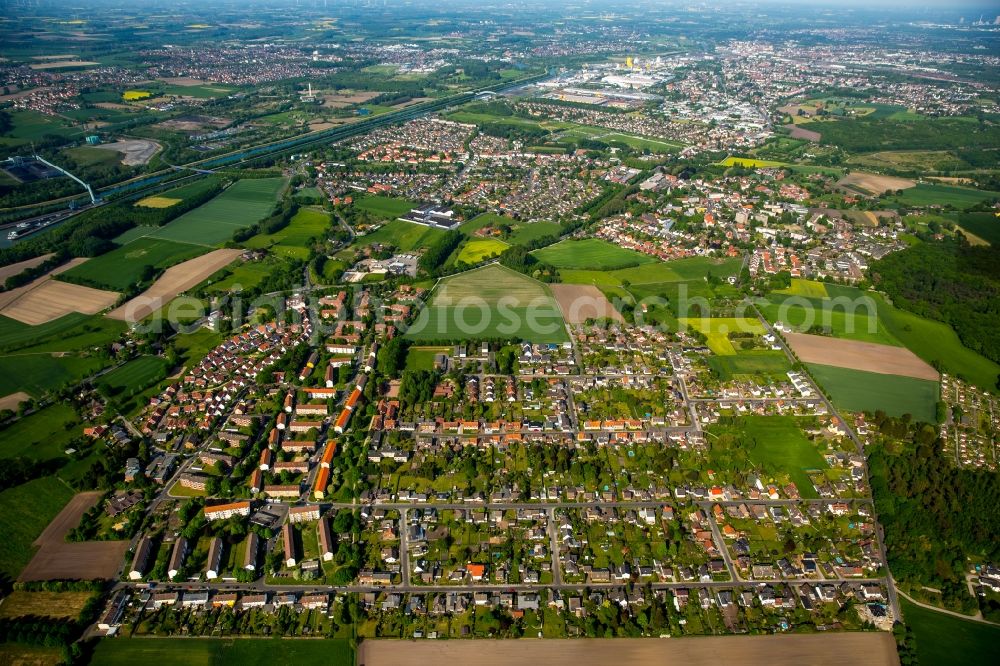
(935,515)
(950,281)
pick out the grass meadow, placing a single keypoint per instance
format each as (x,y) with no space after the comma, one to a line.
(856,391)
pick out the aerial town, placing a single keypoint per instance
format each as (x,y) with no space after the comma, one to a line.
(383,330)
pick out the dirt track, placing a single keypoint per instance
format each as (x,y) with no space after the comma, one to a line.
(580,302)
(830,649)
(58,559)
(868,356)
(175,280)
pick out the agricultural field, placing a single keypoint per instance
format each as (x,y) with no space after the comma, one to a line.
(293,240)
(474,251)
(31,126)
(244,276)
(925,194)
(490,302)
(388,207)
(983,225)
(40,436)
(873,183)
(717,330)
(655,272)
(943,640)
(850,323)
(530,231)
(590,253)
(244,651)
(134,375)
(911,160)
(46,300)
(857,391)
(57,605)
(857,355)
(242,204)
(25,511)
(406,236)
(750,163)
(37,373)
(19,654)
(808,288)
(125,266)
(71,332)
(753,364)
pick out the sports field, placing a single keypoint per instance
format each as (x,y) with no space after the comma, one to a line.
(124,266)
(857,391)
(241,205)
(590,253)
(25,510)
(717,330)
(474,251)
(293,240)
(944,640)
(490,302)
(404,235)
(244,651)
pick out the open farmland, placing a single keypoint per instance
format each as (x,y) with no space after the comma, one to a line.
(590,253)
(58,605)
(25,510)
(856,355)
(874,183)
(241,205)
(136,374)
(490,302)
(245,651)
(717,330)
(175,280)
(16,269)
(849,323)
(945,640)
(654,272)
(858,391)
(37,373)
(750,365)
(925,194)
(11,295)
(293,240)
(808,288)
(53,299)
(823,649)
(71,332)
(126,265)
(58,559)
(750,163)
(581,302)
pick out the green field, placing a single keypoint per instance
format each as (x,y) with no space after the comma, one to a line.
(241,205)
(474,251)
(40,436)
(984,225)
(938,344)
(824,316)
(294,239)
(756,365)
(808,288)
(135,375)
(779,445)
(490,302)
(422,358)
(944,640)
(25,510)
(717,330)
(70,332)
(469,227)
(123,267)
(86,156)
(243,651)
(388,207)
(530,231)
(655,272)
(245,276)
(406,236)
(31,126)
(36,373)
(750,162)
(925,194)
(590,253)
(856,391)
